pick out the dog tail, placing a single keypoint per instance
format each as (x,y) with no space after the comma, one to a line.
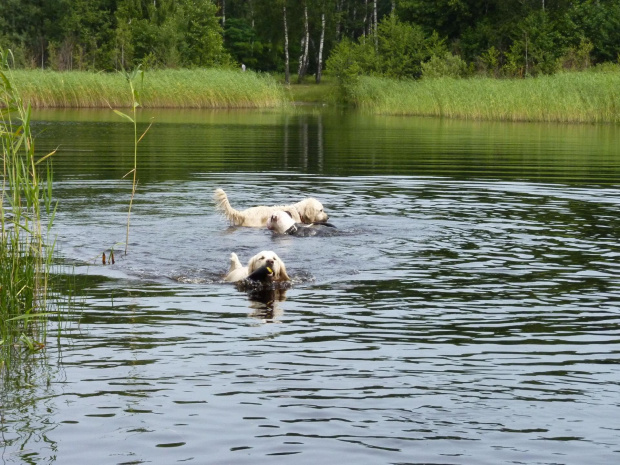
(234,262)
(223,205)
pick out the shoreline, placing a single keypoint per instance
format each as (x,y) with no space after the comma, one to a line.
(573,97)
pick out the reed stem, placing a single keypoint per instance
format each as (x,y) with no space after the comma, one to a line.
(25,253)
(135,95)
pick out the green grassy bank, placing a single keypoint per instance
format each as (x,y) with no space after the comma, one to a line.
(309,92)
(579,97)
(202,88)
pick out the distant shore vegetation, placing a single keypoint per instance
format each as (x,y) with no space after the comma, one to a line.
(196,88)
(508,38)
(577,97)
(517,60)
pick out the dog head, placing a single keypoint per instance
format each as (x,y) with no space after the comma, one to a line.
(311,211)
(280,222)
(270,259)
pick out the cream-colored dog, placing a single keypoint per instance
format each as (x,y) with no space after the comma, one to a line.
(308,210)
(280,222)
(237,271)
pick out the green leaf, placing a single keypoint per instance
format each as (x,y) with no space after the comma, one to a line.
(46,157)
(29,316)
(120,113)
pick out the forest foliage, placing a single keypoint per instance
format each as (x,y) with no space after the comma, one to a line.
(388,38)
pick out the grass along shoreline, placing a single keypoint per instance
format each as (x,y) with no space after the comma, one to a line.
(202,88)
(578,97)
(574,97)
(27,297)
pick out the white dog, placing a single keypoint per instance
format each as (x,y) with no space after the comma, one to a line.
(281,222)
(306,211)
(238,272)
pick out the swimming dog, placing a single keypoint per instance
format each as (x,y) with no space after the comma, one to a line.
(265,262)
(306,211)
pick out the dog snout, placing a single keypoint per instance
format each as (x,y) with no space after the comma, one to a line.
(269,262)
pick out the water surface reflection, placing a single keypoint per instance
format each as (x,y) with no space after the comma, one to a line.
(466,313)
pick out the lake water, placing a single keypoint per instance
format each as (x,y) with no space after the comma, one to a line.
(466,312)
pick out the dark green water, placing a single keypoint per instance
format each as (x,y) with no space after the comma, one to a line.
(465,313)
(183,143)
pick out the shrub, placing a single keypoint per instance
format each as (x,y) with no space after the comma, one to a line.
(344,66)
(447,65)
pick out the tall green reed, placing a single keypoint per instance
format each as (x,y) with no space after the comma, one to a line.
(575,97)
(135,96)
(26,217)
(181,88)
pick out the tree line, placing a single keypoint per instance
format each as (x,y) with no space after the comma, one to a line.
(395,38)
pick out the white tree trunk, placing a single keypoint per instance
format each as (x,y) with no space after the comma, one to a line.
(366,28)
(287,73)
(223,14)
(303,60)
(319,64)
(300,64)
(374,25)
(339,20)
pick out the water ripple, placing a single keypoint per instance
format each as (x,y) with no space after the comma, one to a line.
(466,313)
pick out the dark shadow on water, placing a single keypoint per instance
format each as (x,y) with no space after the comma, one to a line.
(264,298)
(264,303)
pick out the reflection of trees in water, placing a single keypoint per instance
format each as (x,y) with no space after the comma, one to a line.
(310,143)
(28,409)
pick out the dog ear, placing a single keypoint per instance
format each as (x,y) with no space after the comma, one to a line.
(308,214)
(280,271)
(302,211)
(252,264)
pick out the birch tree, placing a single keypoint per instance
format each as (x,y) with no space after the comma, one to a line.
(319,60)
(375,24)
(223,14)
(287,73)
(303,59)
